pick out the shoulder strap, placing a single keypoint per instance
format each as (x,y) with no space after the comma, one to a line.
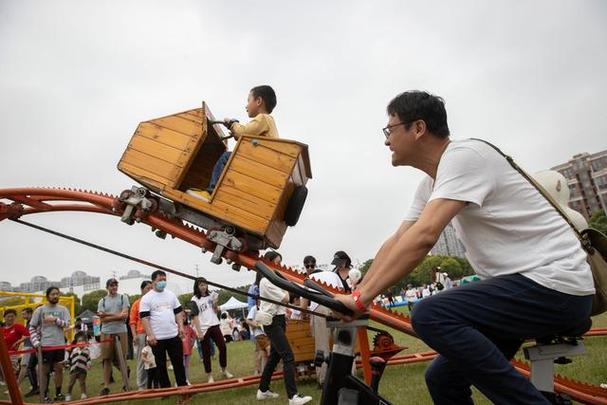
(584,241)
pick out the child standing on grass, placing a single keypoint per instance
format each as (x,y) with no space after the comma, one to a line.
(188,340)
(149,363)
(79,364)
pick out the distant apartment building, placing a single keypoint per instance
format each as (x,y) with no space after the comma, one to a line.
(586,176)
(134,274)
(77,279)
(448,244)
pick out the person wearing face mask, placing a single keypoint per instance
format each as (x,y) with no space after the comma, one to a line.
(162,317)
(47,329)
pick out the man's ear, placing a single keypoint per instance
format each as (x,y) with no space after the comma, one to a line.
(420,128)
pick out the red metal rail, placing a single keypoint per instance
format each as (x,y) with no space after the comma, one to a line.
(26,201)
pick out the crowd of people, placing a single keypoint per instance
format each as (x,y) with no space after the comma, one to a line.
(164,335)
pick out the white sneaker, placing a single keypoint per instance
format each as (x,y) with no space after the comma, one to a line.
(227,374)
(299,400)
(266,395)
(211,380)
(68,397)
(83,396)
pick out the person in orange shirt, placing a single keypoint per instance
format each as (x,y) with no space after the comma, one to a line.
(139,335)
(260,104)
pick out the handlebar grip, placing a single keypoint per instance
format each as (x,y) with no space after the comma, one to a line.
(323,298)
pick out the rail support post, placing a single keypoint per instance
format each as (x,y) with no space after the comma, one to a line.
(9,375)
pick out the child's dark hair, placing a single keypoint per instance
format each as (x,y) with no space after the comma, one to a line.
(267,95)
(10,311)
(79,335)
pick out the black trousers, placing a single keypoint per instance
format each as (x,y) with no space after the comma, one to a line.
(174,348)
(32,375)
(213,333)
(280,349)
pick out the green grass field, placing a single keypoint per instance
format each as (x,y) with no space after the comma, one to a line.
(402,384)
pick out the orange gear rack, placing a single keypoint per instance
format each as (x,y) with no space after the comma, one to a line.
(26,201)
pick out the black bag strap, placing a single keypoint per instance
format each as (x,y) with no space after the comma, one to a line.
(586,244)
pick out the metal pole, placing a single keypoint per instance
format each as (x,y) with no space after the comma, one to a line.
(121,362)
(365,353)
(43,377)
(7,369)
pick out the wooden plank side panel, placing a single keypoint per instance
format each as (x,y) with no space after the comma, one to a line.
(151,164)
(150,180)
(275,232)
(266,156)
(221,211)
(158,150)
(192,115)
(180,124)
(247,202)
(235,214)
(280,146)
(249,185)
(259,171)
(163,135)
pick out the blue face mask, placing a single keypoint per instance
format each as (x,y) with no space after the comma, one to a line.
(161,285)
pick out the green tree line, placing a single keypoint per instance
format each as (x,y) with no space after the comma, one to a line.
(456,267)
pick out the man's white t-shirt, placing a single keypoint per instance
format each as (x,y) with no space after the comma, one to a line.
(508,227)
(269,290)
(161,306)
(206,312)
(329,278)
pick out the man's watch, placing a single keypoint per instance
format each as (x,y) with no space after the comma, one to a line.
(358,302)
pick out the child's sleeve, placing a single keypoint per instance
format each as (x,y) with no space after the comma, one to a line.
(256,127)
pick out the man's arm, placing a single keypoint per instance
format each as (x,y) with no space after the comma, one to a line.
(116,316)
(406,250)
(144,314)
(383,252)
(148,330)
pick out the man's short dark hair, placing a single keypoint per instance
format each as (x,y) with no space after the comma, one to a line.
(28,310)
(309,260)
(50,290)
(419,105)
(144,284)
(10,311)
(158,273)
(267,95)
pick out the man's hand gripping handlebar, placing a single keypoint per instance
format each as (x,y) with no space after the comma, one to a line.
(343,306)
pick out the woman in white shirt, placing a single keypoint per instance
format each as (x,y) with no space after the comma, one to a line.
(206,325)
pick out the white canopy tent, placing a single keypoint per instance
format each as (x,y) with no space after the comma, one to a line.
(233,303)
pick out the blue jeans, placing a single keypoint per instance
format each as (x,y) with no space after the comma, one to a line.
(479,327)
(218,169)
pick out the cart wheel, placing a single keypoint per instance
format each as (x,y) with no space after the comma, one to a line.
(295,205)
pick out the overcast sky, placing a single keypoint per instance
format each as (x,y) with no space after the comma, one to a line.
(77,77)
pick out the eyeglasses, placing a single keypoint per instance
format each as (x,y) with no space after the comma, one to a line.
(388,130)
(310,265)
